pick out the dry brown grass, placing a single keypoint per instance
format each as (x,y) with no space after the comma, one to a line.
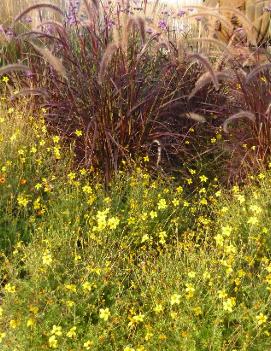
(11,8)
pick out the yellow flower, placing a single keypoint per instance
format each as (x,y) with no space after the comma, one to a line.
(197,310)
(53,343)
(146,159)
(175,299)
(22,201)
(1,311)
(10,288)
(138,318)
(213,140)
(2,335)
(30,322)
(104,313)
(13,324)
(153,214)
(203,179)
(226,230)
(88,344)
(71,287)
(190,290)
(261,319)
(72,333)
(47,258)
(253,220)
(128,348)
(145,238)
(69,303)
(162,204)
(255,208)
(179,189)
(71,176)
(230,249)
(87,189)
(229,304)
(219,240)
(33,309)
(173,315)
(162,237)
(56,139)
(86,286)
(78,133)
(56,330)
(148,336)
(101,219)
(158,308)
(191,274)
(5,79)
(175,202)
(222,294)
(189,180)
(203,201)
(113,222)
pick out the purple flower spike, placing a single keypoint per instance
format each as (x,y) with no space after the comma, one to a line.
(162,24)
(181,13)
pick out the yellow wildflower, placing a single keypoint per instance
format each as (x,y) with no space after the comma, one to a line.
(13,324)
(72,333)
(113,222)
(78,133)
(153,214)
(190,290)
(252,220)
(53,342)
(104,313)
(261,319)
(88,344)
(70,303)
(226,230)
(71,287)
(22,200)
(10,288)
(158,308)
(197,310)
(86,286)
(175,299)
(30,322)
(56,330)
(2,335)
(229,304)
(203,178)
(162,204)
(219,240)
(222,294)
(146,159)
(47,258)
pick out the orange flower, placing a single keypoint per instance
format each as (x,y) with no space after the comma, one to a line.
(23,181)
(2,179)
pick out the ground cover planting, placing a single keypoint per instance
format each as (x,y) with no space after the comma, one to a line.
(135,180)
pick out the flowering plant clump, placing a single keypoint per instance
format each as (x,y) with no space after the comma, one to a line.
(84,267)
